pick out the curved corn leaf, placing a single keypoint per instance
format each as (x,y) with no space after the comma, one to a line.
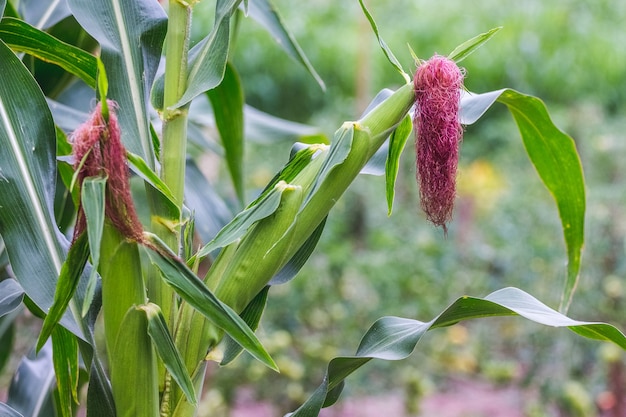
(131,35)
(27,182)
(165,347)
(251,315)
(192,290)
(266,14)
(3,4)
(554,155)
(227,103)
(468,47)
(44,14)
(11,295)
(395,338)
(22,37)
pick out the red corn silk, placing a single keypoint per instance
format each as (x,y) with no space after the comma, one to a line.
(98,151)
(438,83)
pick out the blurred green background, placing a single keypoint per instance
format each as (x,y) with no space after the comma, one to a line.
(505,231)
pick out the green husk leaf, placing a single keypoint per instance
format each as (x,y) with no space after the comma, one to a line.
(92,200)
(65,359)
(165,347)
(396,145)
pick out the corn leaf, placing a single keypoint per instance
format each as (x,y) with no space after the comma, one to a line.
(22,37)
(192,289)
(165,347)
(266,14)
(27,181)
(131,35)
(65,361)
(227,103)
(554,155)
(45,14)
(395,338)
(468,47)
(11,295)
(397,141)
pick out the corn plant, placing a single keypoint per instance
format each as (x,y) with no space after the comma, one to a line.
(107,228)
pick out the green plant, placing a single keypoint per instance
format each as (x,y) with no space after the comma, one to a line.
(162,321)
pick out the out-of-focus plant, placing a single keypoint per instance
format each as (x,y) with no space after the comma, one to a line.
(190,283)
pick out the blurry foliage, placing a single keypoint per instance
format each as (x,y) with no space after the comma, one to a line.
(569,54)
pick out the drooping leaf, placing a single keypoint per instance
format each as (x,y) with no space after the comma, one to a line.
(227,102)
(251,315)
(554,155)
(468,47)
(131,35)
(27,181)
(42,15)
(193,291)
(22,37)
(395,338)
(165,347)
(264,128)
(30,391)
(383,45)
(207,60)
(266,14)
(11,295)
(397,141)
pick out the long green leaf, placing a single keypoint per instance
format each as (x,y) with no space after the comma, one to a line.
(395,338)
(252,316)
(208,58)
(468,47)
(65,360)
(131,35)
(165,347)
(66,286)
(554,155)
(383,45)
(22,37)
(266,14)
(27,181)
(227,102)
(193,290)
